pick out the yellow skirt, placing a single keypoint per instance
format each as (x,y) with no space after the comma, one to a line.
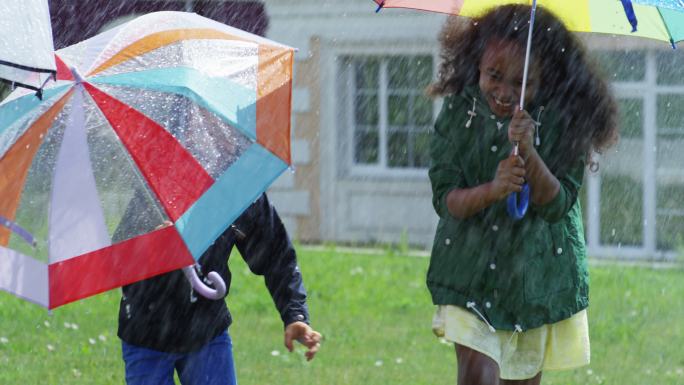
(558,346)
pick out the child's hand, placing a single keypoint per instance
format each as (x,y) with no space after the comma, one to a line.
(521,130)
(305,335)
(510,176)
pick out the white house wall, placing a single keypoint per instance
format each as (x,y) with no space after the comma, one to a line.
(353,204)
(357,208)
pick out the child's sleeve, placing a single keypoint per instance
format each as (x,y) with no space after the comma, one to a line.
(570,183)
(445,171)
(267,249)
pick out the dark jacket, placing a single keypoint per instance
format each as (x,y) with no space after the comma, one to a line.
(526,273)
(164,314)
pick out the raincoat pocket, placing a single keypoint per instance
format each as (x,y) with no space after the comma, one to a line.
(455,261)
(551,270)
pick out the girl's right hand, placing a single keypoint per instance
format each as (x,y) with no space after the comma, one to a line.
(509,178)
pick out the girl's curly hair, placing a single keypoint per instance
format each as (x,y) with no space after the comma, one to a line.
(569,82)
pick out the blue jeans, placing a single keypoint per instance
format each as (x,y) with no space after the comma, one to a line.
(211,365)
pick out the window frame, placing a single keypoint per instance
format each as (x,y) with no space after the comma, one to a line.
(348,87)
(647,90)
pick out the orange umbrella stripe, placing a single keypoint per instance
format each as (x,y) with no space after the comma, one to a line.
(274,100)
(161,39)
(14,166)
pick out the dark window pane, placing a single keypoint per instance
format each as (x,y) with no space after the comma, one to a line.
(367,109)
(398,71)
(422,110)
(621,211)
(622,66)
(670,67)
(631,117)
(398,110)
(421,149)
(366,145)
(422,71)
(670,219)
(671,112)
(670,230)
(397,149)
(367,73)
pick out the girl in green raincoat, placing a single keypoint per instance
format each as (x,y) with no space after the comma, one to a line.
(512,294)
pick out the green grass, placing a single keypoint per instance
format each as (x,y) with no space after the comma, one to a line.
(375,314)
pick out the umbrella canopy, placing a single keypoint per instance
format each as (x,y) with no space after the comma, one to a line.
(155,137)
(26,51)
(657,19)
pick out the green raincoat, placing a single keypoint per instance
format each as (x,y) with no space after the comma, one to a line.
(524,273)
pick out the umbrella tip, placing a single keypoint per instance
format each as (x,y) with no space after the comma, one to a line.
(77,75)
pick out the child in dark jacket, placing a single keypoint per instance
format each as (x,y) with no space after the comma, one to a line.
(512,294)
(165,326)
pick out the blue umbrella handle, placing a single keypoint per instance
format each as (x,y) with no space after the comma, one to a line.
(200,287)
(517,203)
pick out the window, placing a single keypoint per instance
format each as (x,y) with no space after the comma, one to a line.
(389,114)
(640,196)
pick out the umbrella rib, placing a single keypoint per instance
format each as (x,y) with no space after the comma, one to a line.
(667,28)
(27,68)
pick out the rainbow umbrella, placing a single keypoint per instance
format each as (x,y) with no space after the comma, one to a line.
(656,19)
(154,138)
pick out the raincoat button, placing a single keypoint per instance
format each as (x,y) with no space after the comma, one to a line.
(492,116)
(492,266)
(488,304)
(559,251)
(299,317)
(494,148)
(447,241)
(495,228)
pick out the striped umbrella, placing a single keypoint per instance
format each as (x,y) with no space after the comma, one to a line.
(154,138)
(655,19)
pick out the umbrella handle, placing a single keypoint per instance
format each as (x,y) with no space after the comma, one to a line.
(200,287)
(517,204)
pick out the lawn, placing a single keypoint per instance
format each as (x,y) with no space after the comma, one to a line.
(375,314)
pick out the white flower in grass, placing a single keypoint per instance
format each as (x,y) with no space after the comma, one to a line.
(46,323)
(76,372)
(102,338)
(275,353)
(680,371)
(378,363)
(589,372)
(357,270)
(92,341)
(399,360)
(3,340)
(67,325)
(74,326)
(50,347)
